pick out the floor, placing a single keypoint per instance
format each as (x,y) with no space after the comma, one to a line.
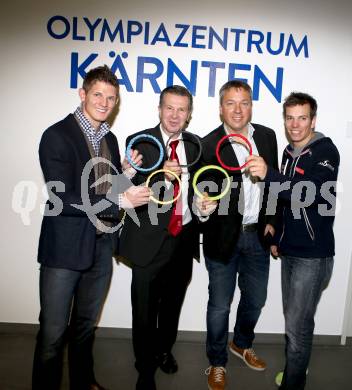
(330,368)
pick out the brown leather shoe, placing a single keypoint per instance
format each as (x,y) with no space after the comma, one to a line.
(248,356)
(216,378)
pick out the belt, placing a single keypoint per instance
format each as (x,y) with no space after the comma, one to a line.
(249,227)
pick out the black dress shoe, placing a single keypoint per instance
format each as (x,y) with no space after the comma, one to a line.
(145,382)
(168,363)
(96,386)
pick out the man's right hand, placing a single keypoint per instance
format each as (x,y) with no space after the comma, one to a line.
(274,251)
(173,166)
(135,196)
(135,156)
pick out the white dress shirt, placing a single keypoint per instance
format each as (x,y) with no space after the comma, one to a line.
(250,187)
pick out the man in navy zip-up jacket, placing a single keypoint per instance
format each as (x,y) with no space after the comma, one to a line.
(304,239)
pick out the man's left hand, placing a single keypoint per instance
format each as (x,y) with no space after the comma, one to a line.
(205,206)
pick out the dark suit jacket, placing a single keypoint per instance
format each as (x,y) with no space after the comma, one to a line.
(139,244)
(68,239)
(221,232)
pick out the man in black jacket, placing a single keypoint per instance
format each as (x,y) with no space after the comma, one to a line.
(79,231)
(160,252)
(236,236)
(304,238)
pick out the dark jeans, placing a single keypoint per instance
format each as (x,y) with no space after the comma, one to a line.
(303,281)
(75,298)
(251,262)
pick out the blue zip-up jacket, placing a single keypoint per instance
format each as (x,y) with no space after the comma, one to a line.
(307,201)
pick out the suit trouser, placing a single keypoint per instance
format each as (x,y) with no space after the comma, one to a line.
(83,291)
(158,291)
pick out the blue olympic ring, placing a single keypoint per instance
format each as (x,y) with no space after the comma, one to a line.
(129,147)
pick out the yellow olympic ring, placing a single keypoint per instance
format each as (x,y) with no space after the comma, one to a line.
(172,174)
(206,168)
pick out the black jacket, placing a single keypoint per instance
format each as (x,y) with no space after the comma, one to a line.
(309,177)
(221,232)
(67,240)
(139,244)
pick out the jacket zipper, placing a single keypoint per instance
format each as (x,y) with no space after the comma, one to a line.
(284,213)
(308,225)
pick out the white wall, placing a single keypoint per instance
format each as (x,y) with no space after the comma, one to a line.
(36,80)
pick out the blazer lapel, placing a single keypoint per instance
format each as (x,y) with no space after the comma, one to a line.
(191,149)
(79,139)
(156,132)
(261,144)
(115,154)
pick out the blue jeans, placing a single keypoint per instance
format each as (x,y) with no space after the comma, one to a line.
(75,298)
(251,262)
(303,281)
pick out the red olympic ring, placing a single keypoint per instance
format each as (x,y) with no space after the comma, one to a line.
(217,151)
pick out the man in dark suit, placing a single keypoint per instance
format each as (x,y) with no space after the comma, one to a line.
(237,236)
(77,242)
(161,253)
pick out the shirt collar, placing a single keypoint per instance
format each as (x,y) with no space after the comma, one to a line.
(166,137)
(87,127)
(250,128)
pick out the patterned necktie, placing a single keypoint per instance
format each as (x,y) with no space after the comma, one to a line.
(175,224)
